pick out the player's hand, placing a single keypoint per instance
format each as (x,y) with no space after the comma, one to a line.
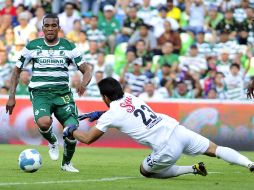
(250,90)
(80,90)
(10,105)
(92,116)
(68,131)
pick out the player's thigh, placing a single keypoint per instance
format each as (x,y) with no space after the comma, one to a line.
(194,143)
(65,110)
(166,157)
(42,106)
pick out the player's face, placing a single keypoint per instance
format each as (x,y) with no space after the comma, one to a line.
(143,31)
(50,29)
(132,13)
(182,88)
(167,48)
(106,100)
(94,22)
(3,57)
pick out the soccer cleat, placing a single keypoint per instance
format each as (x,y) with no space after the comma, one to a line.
(199,169)
(53,151)
(69,168)
(251,167)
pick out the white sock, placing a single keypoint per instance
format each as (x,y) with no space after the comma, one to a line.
(173,172)
(232,156)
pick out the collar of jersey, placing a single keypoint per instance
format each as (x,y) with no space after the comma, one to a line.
(116,101)
(53,44)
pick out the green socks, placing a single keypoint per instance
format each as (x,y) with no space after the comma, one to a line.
(69,145)
(49,135)
(69,149)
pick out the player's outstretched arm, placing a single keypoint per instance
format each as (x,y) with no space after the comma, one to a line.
(14,82)
(87,76)
(91,115)
(91,136)
(85,137)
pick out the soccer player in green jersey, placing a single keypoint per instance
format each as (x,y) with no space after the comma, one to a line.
(49,86)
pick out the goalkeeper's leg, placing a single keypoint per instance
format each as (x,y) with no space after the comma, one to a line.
(174,171)
(229,155)
(197,144)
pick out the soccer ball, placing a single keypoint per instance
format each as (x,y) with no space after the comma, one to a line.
(30,160)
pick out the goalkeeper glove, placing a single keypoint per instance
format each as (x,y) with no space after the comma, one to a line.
(68,131)
(92,116)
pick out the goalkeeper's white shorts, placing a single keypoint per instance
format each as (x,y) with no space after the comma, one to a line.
(182,140)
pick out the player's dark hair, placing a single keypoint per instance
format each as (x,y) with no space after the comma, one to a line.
(76,20)
(163,82)
(74,6)
(51,15)
(235,65)
(22,6)
(83,31)
(141,40)
(94,16)
(100,72)
(111,88)
(132,6)
(5,87)
(220,73)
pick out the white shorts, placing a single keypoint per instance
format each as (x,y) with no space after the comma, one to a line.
(182,140)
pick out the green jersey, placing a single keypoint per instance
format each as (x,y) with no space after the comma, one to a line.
(22,89)
(109,27)
(50,64)
(169,59)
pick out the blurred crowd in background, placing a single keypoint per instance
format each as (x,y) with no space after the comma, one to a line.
(158,50)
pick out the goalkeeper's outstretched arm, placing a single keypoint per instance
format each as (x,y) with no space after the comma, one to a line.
(88,137)
(85,137)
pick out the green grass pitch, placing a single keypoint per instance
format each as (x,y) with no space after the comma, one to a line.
(115,169)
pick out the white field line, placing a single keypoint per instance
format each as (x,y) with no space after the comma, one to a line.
(87,180)
(67,181)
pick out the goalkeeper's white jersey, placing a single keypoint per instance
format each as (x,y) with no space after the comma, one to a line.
(135,118)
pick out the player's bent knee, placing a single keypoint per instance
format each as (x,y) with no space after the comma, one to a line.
(211,151)
(44,123)
(144,173)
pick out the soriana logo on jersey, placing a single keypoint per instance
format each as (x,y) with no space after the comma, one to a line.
(128,104)
(59,61)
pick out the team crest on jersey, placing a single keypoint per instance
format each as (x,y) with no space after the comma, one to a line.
(36,112)
(61,53)
(51,52)
(128,104)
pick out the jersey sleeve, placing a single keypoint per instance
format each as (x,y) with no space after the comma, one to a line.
(24,59)
(104,122)
(76,56)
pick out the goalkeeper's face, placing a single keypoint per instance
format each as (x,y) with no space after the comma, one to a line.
(50,29)
(106,100)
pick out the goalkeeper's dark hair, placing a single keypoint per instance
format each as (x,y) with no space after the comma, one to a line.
(111,88)
(51,15)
